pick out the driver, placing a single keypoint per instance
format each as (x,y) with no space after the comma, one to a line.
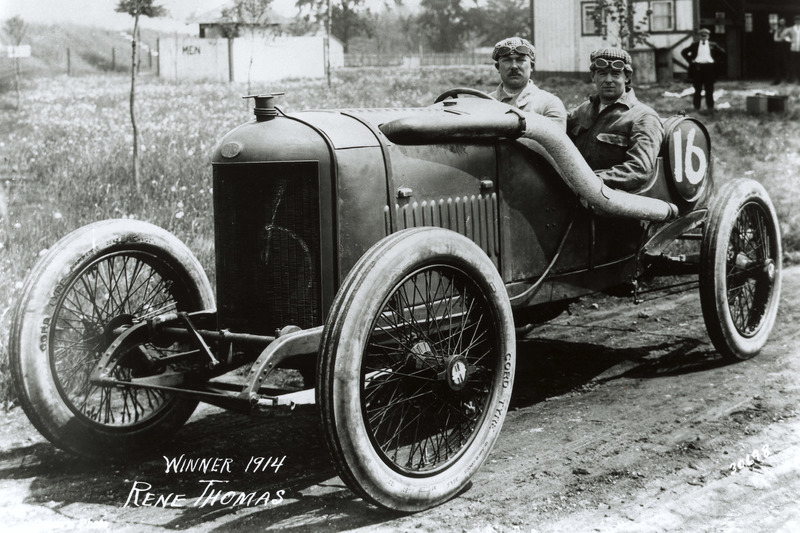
(514,59)
(618,136)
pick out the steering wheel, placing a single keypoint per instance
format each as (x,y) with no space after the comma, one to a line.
(462,90)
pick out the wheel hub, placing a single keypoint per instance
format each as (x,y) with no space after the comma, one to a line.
(113,324)
(769,270)
(457,372)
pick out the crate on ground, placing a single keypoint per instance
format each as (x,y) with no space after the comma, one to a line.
(758,104)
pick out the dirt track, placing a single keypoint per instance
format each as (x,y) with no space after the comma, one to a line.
(624,419)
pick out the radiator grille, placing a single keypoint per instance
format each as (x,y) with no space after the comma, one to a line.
(268,249)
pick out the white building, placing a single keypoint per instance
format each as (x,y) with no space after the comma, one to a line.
(565,33)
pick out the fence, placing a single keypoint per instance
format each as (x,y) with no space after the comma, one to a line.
(413,61)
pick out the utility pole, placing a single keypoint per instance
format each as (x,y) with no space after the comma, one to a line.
(533,35)
(328,45)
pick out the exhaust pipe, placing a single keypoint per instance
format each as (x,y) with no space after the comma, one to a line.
(541,135)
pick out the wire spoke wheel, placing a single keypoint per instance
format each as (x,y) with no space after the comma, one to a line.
(122,288)
(740,269)
(751,269)
(428,369)
(91,285)
(415,369)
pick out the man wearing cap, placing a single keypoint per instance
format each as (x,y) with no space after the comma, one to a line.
(514,59)
(792,35)
(704,58)
(618,136)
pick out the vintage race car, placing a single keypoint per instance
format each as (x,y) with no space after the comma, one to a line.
(389,255)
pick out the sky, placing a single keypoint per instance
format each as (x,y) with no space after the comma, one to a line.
(101,12)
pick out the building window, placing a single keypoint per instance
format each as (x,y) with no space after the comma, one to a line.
(589,25)
(662,16)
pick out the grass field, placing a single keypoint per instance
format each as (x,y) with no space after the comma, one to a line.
(65,155)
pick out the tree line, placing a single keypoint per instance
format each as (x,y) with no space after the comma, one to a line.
(436,25)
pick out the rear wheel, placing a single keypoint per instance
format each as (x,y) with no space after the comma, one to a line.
(740,269)
(94,281)
(416,367)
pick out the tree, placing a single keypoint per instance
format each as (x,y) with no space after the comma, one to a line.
(499,19)
(617,19)
(246,15)
(136,9)
(15,29)
(444,24)
(348,17)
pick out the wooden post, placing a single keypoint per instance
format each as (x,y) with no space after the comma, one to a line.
(16,79)
(230,59)
(630,44)
(158,58)
(328,44)
(113,59)
(69,63)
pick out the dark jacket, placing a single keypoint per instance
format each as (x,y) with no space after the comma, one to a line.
(717,54)
(621,142)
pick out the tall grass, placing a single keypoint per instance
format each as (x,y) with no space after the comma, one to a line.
(65,155)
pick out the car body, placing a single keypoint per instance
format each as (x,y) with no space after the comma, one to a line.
(389,255)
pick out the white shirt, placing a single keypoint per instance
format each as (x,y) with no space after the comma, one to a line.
(703,53)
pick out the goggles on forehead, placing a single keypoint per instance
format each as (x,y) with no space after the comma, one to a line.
(522,49)
(601,63)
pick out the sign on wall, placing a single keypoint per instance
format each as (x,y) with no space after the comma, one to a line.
(23,50)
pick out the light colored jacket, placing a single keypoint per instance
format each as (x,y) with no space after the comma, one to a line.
(534,100)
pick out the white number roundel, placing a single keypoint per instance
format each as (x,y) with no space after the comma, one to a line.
(689,158)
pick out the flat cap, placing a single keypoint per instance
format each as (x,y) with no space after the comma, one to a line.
(704,30)
(612,54)
(513,45)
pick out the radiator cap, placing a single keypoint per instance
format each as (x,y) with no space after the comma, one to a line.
(264,108)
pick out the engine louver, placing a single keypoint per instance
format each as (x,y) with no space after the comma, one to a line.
(267,227)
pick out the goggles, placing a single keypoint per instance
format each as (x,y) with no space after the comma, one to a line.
(601,63)
(522,49)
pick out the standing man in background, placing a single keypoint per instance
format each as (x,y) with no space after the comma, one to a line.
(704,58)
(514,59)
(793,36)
(780,51)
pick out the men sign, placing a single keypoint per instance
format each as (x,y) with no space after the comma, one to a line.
(23,50)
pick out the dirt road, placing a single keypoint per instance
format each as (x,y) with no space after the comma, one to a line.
(624,419)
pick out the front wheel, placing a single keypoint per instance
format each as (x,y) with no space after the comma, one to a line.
(740,269)
(97,279)
(416,368)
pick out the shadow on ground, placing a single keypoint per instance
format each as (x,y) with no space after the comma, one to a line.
(313,498)
(548,368)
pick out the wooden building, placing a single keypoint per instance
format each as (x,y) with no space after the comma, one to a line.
(742,27)
(565,33)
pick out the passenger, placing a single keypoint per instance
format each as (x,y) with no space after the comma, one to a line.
(618,136)
(514,59)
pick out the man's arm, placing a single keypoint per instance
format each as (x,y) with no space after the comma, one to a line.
(555,110)
(647,135)
(687,54)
